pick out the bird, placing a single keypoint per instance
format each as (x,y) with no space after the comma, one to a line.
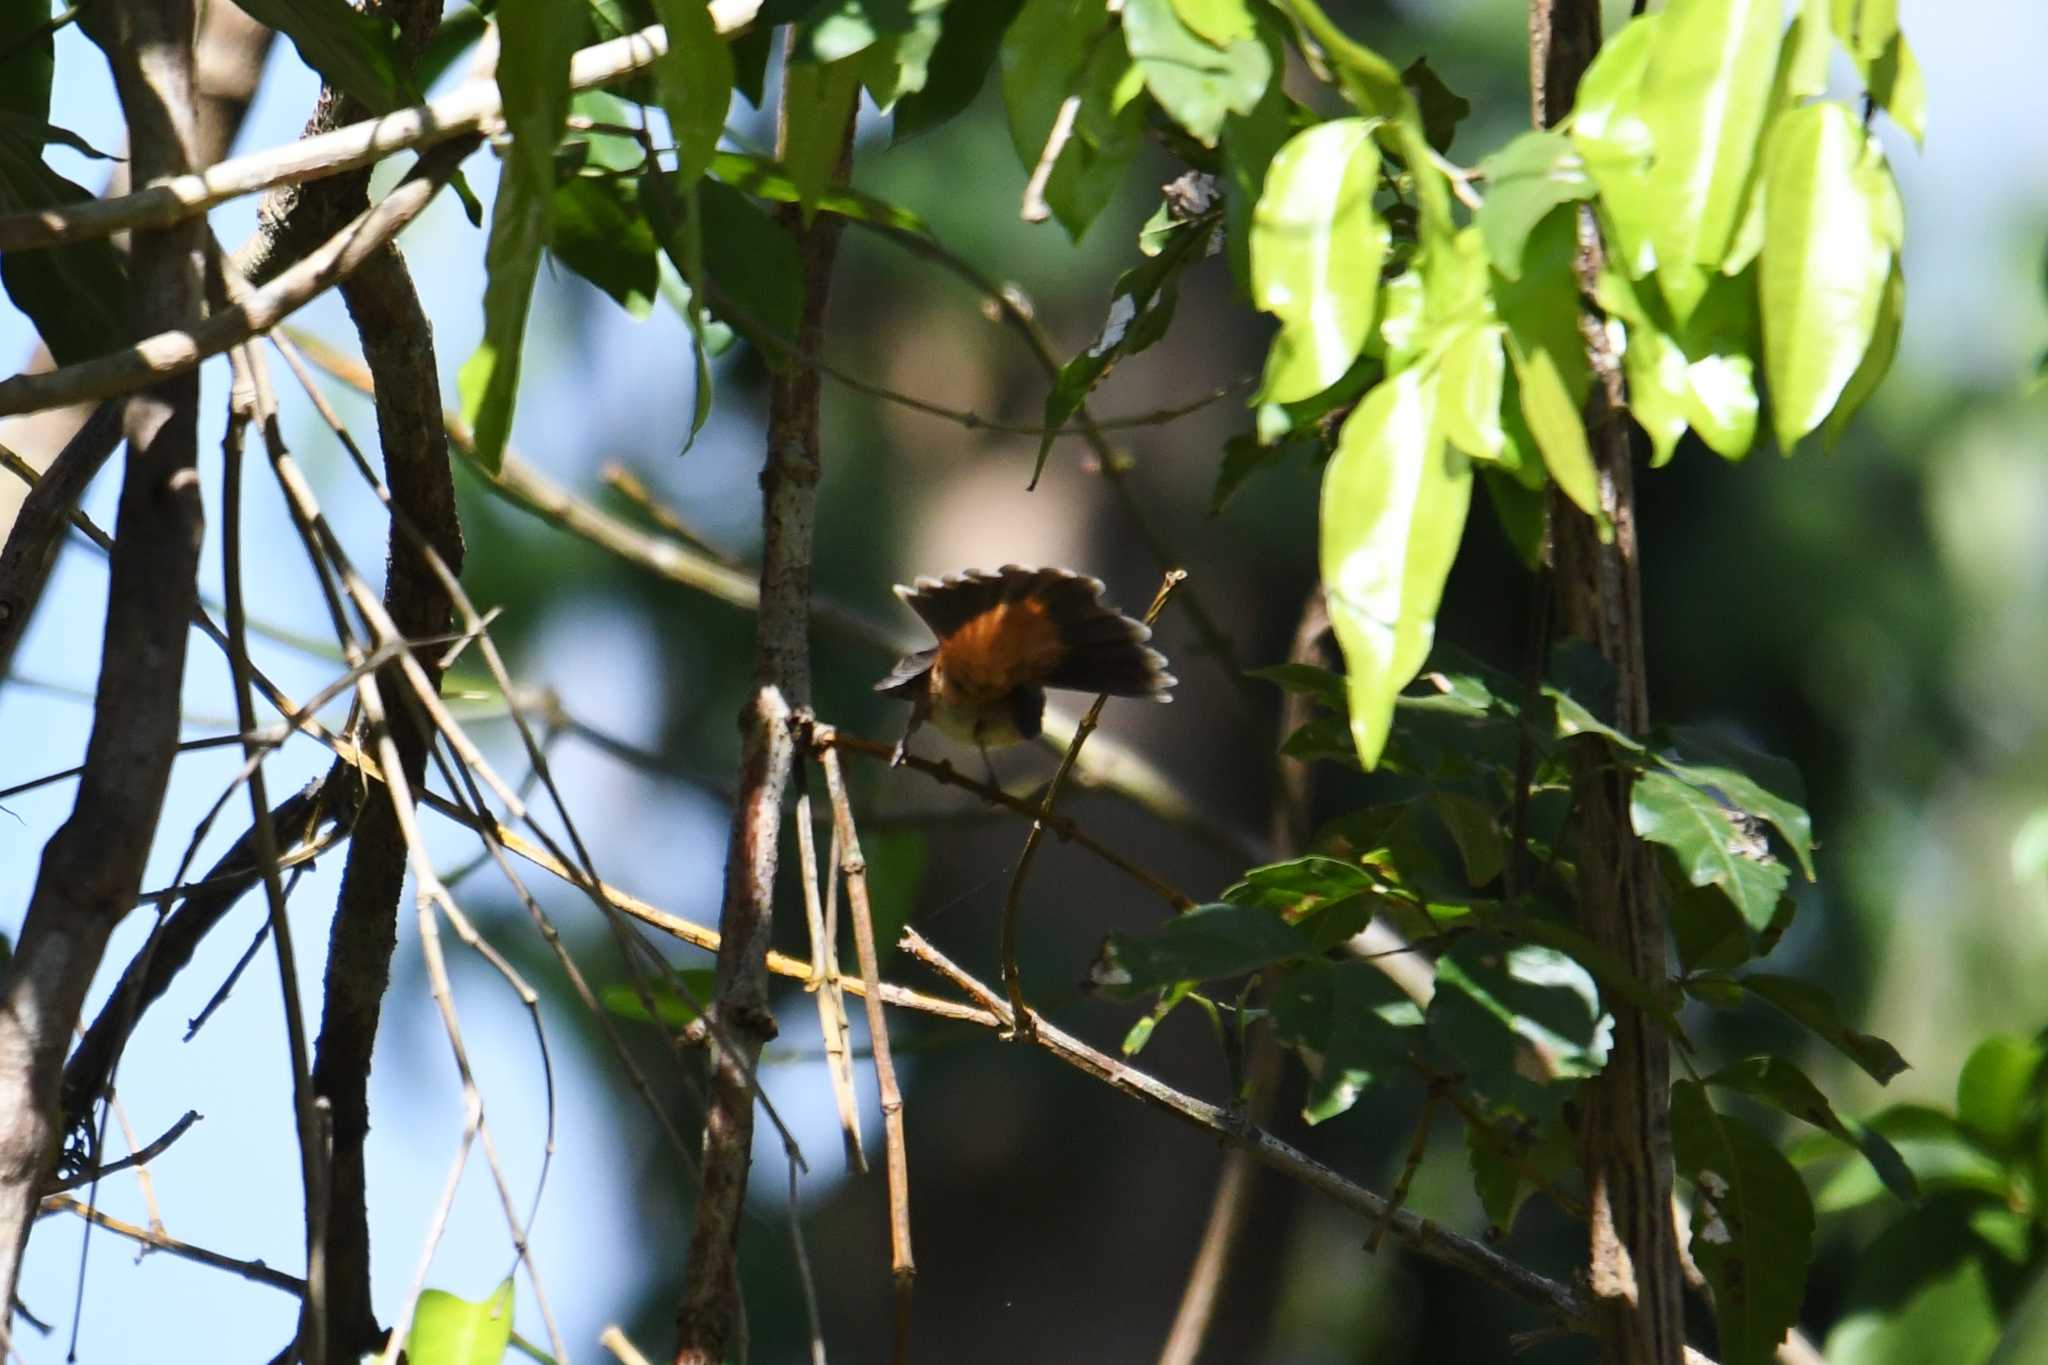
(1002,639)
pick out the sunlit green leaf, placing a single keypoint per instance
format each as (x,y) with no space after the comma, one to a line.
(1752,1225)
(1831,220)
(1555,422)
(451,1331)
(1249,143)
(1931,1287)
(1393,510)
(535,40)
(1710,847)
(1472,373)
(1896,84)
(1316,248)
(1877,361)
(1706,94)
(1761,784)
(763,178)
(1218,22)
(1611,133)
(818,104)
(695,79)
(1525,180)
(1495,1000)
(1193,80)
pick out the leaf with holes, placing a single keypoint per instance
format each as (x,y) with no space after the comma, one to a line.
(1709,847)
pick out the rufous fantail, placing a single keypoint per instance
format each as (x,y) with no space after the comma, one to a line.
(1003,638)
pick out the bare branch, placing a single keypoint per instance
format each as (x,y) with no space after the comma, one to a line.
(92,867)
(254,1271)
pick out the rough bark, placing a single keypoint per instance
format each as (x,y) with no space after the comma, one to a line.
(707,1320)
(1624,1124)
(92,867)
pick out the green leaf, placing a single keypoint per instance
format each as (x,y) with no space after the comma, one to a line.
(1711,850)
(356,53)
(30,61)
(1944,1159)
(1895,83)
(1055,47)
(819,103)
(76,295)
(1209,942)
(1784,1087)
(1295,888)
(1476,831)
(1393,510)
(535,40)
(761,177)
(1831,227)
(1195,81)
(1752,1225)
(1609,128)
(674,1007)
(1471,378)
(601,235)
(1218,22)
(1877,361)
(1706,94)
(1761,784)
(1931,1287)
(1523,514)
(899,64)
(1316,249)
(1140,310)
(751,276)
(1495,1001)
(1349,1023)
(695,79)
(1541,310)
(1560,433)
(1812,1006)
(1369,80)
(1999,1089)
(1249,143)
(1306,680)
(1525,180)
(451,1331)
(1140,1033)
(1244,456)
(1442,108)
(968,39)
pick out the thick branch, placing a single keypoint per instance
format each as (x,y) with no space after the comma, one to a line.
(1625,1122)
(92,867)
(707,1319)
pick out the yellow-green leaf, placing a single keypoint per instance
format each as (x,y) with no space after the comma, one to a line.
(1831,225)
(1472,373)
(1657,389)
(1394,504)
(1219,22)
(451,1331)
(1554,421)
(1706,94)
(1193,80)
(1608,128)
(819,101)
(1316,248)
(1877,361)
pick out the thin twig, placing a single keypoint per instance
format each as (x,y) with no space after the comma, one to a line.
(1421,1235)
(853,867)
(248,1270)
(137,1159)
(1035,209)
(824,982)
(1014,897)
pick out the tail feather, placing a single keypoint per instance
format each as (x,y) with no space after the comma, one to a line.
(1122,669)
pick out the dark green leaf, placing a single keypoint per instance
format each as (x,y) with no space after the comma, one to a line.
(1244,456)
(1476,830)
(673,1007)
(31,48)
(1306,679)
(1752,1225)
(1052,49)
(451,1331)
(752,279)
(1494,1001)
(1706,928)
(763,178)
(354,52)
(76,295)
(1761,784)
(1206,943)
(1442,108)
(459,31)
(1784,1087)
(968,39)
(1943,1158)
(695,79)
(1525,180)
(1814,1007)
(1349,1023)
(601,235)
(1710,847)
(1194,80)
